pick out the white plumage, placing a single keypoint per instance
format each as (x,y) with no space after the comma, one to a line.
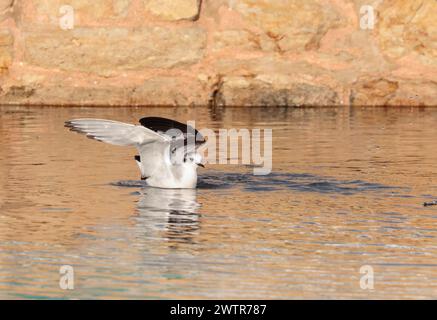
(165,161)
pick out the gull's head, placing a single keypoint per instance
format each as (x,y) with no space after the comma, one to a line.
(195,159)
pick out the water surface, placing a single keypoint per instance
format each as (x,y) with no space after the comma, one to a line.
(346,190)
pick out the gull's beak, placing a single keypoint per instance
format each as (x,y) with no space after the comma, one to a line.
(201,165)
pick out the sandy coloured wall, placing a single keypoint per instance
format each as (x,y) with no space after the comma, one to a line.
(220,52)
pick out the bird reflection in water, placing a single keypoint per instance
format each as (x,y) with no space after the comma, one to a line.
(169,213)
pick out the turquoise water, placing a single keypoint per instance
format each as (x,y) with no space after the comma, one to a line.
(346,190)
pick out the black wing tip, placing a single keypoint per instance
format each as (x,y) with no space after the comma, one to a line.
(427,204)
(155,119)
(90,136)
(70,125)
(73,128)
(164,124)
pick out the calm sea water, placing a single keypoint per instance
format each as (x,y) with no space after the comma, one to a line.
(347,190)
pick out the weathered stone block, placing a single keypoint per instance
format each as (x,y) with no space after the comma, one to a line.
(164,91)
(242,40)
(121,7)
(85,11)
(169,91)
(5,8)
(373,91)
(106,51)
(6,37)
(282,52)
(408,26)
(61,94)
(395,92)
(5,5)
(243,91)
(6,49)
(294,25)
(5,59)
(174,9)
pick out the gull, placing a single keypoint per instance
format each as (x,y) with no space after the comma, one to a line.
(168,156)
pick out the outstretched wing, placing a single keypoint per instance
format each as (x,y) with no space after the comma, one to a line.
(114,132)
(184,138)
(153,147)
(169,127)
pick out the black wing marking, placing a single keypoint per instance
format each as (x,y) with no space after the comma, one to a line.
(159,124)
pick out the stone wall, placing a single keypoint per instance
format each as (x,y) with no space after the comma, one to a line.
(219,52)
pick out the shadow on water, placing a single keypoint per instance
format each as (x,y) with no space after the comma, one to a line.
(277,181)
(173,213)
(311,183)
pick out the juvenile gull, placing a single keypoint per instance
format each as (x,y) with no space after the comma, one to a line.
(168,155)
